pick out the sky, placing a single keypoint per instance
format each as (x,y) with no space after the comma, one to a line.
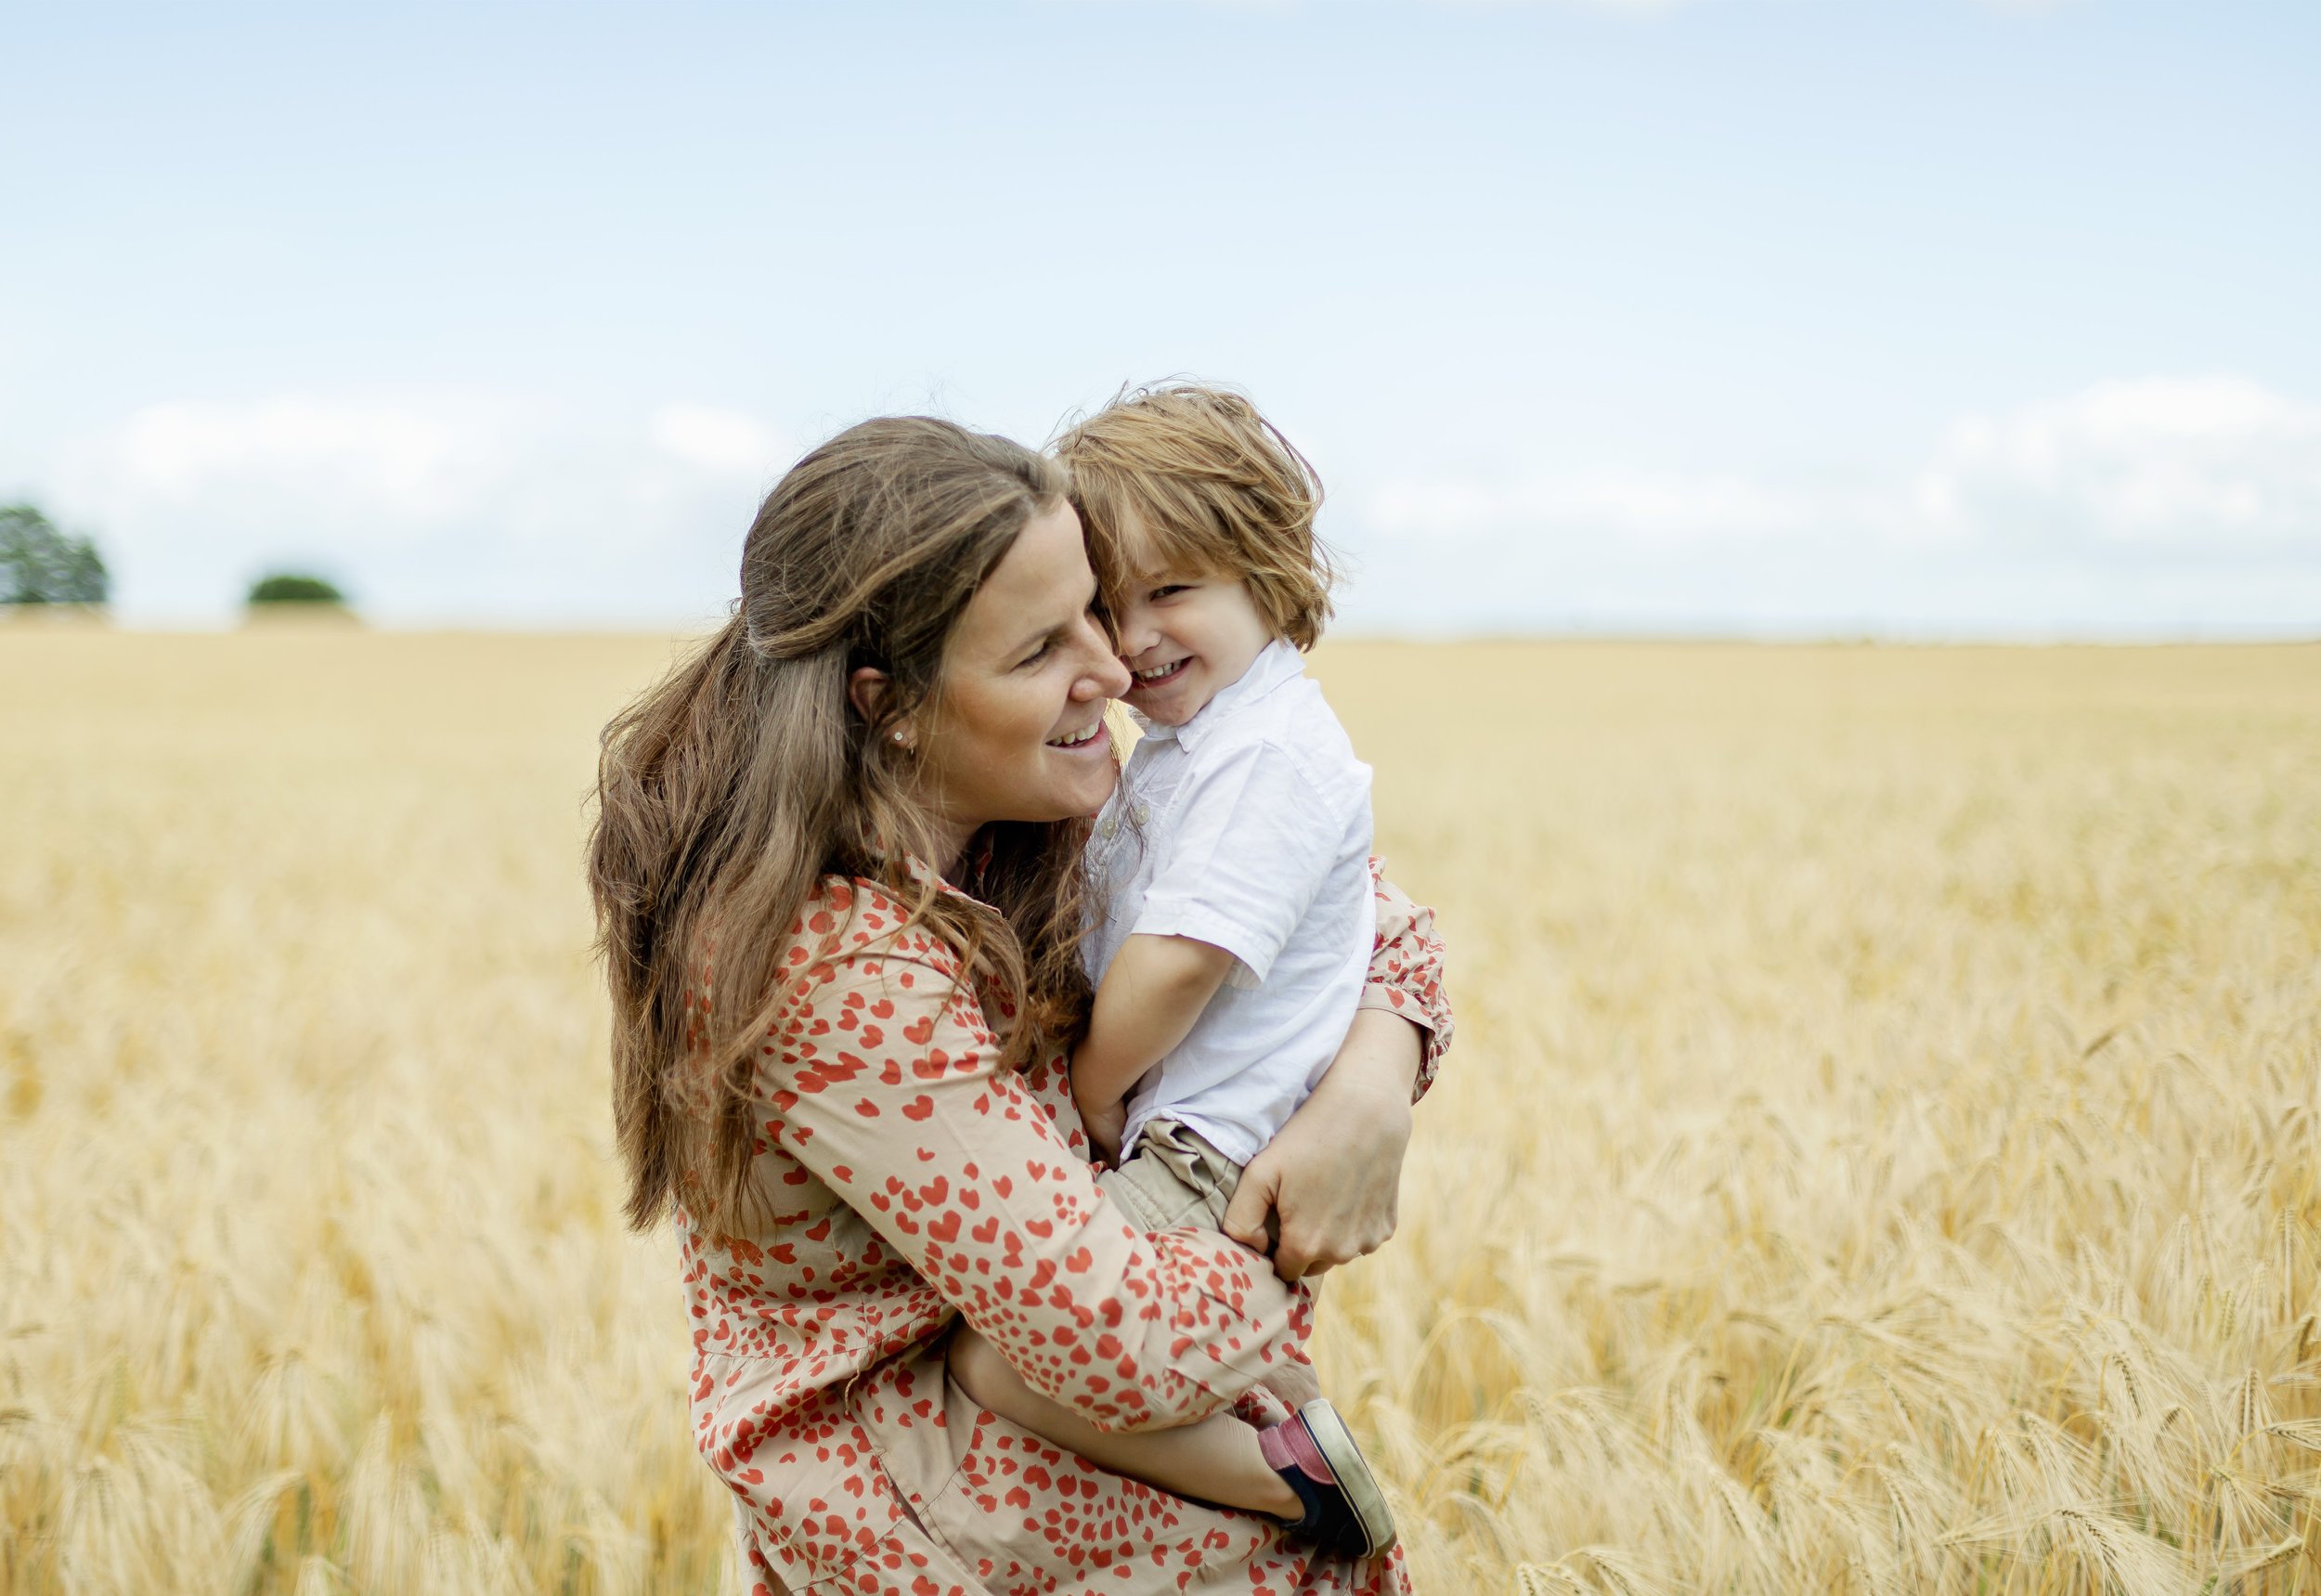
(1885,317)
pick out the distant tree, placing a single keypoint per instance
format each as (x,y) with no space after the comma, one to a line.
(40,564)
(294,588)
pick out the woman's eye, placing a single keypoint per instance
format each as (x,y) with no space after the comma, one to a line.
(1037,655)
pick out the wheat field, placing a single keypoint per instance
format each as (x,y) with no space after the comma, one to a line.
(1880,1153)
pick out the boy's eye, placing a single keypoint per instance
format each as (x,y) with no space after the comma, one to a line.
(1169,591)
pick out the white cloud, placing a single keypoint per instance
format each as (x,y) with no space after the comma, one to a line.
(2121,500)
(2183,463)
(424,504)
(717,440)
(1642,507)
(395,462)
(2152,506)
(2164,465)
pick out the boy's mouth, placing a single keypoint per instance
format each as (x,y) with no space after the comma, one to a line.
(1160,675)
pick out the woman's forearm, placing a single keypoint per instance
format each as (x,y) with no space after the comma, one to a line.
(1407,974)
(950,1158)
(1380,1055)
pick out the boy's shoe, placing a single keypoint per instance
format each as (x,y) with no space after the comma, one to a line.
(1345,1511)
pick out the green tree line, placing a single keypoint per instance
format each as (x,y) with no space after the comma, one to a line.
(42,565)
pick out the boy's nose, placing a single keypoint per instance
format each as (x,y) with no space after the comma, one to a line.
(1138,632)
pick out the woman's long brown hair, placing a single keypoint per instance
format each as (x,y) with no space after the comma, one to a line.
(727,792)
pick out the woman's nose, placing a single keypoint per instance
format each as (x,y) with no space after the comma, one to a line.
(1106,677)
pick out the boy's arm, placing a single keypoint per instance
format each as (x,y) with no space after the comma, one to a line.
(1153,992)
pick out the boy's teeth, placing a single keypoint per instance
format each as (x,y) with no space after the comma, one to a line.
(1157,670)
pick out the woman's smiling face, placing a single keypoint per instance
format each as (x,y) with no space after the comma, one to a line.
(1015,730)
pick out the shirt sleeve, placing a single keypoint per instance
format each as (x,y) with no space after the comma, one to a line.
(882,1080)
(1253,841)
(1407,962)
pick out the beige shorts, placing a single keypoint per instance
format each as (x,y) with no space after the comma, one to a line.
(1174,1177)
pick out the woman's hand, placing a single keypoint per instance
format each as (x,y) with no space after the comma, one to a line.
(1333,1176)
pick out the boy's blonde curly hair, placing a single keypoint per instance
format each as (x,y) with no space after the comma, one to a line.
(1184,475)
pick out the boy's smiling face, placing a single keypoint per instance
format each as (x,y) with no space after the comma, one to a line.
(1186,636)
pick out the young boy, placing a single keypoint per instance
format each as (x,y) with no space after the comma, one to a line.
(1232,867)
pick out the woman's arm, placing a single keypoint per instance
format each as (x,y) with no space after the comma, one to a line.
(1332,1178)
(1407,963)
(1334,1173)
(880,1078)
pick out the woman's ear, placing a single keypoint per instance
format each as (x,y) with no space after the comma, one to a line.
(864,690)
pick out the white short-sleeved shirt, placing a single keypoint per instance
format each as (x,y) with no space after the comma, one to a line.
(1249,828)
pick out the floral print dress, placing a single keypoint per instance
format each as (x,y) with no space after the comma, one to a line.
(905,1180)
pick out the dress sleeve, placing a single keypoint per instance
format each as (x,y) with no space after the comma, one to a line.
(1406,978)
(881,1077)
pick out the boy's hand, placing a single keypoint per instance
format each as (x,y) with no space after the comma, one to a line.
(1103,1121)
(1104,1127)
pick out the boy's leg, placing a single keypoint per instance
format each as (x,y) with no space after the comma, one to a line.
(1174,1177)
(1178,1178)
(1178,1171)
(1175,1168)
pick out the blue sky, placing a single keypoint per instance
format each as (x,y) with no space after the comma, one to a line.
(1904,317)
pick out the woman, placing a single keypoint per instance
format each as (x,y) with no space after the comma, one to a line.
(838,873)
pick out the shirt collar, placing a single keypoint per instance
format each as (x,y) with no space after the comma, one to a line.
(1276,663)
